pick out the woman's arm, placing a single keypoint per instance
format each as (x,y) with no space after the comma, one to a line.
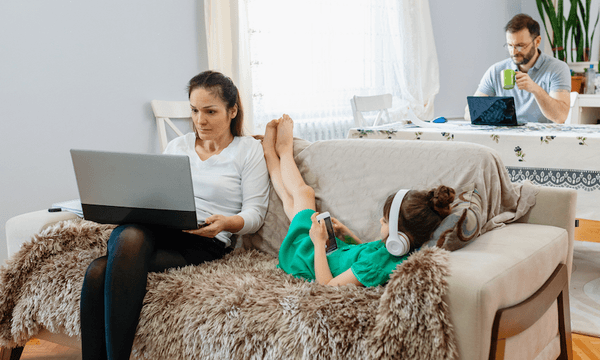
(255,189)
(318,235)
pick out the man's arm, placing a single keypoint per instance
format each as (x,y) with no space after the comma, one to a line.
(555,106)
(467,113)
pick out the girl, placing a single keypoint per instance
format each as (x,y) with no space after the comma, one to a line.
(303,253)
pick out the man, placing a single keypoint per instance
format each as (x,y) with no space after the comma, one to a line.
(543,83)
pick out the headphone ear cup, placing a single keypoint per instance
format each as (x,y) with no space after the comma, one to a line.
(399,245)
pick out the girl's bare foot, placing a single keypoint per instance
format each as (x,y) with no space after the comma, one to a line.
(285,135)
(270,138)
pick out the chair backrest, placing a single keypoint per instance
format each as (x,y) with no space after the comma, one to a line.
(164,111)
(573,99)
(370,103)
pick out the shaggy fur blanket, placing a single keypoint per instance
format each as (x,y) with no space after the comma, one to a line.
(239,307)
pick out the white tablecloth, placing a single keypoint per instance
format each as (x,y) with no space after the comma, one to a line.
(547,154)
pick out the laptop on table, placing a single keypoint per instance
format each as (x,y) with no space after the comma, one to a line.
(121,188)
(493,110)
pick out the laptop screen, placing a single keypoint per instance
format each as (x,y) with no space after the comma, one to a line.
(123,188)
(492,110)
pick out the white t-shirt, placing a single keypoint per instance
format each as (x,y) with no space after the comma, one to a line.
(234,182)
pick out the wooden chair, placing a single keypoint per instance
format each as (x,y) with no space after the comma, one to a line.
(164,111)
(574,95)
(370,103)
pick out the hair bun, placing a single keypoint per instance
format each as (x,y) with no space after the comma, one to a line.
(441,198)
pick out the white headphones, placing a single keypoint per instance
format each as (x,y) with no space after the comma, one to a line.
(397,243)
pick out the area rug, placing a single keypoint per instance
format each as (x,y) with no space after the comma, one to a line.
(584,293)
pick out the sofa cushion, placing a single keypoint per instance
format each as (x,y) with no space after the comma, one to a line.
(464,222)
(270,236)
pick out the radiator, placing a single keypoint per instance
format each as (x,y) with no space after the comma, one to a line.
(323,128)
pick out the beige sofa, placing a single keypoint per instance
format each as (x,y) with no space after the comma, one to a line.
(507,290)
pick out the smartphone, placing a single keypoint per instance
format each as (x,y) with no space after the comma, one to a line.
(331,242)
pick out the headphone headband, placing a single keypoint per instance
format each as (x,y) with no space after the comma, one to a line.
(397,242)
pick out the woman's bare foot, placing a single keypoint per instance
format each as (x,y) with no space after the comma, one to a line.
(285,135)
(268,141)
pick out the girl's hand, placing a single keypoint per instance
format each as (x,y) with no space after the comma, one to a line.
(341,231)
(339,228)
(214,225)
(318,232)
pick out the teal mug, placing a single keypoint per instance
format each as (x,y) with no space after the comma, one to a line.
(508,79)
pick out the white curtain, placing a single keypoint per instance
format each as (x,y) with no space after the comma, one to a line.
(227,48)
(415,64)
(308,58)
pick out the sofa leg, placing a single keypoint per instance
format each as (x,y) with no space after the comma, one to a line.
(516,319)
(564,325)
(11,354)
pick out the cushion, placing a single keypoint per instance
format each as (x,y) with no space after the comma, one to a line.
(464,223)
(270,236)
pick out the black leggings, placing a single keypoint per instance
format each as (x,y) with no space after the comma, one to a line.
(115,285)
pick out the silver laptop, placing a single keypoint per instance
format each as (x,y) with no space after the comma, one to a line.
(493,110)
(123,188)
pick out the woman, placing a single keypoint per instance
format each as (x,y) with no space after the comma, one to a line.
(231,188)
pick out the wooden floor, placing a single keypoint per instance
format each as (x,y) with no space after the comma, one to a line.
(43,350)
(588,230)
(584,347)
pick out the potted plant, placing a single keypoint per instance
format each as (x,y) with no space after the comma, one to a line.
(571,34)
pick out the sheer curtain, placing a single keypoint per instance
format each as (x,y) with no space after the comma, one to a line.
(227,48)
(308,58)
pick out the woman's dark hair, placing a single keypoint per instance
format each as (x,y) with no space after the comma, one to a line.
(223,86)
(523,21)
(421,212)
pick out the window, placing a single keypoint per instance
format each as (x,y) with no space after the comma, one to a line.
(310,57)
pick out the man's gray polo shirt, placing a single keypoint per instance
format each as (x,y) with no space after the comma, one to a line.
(549,73)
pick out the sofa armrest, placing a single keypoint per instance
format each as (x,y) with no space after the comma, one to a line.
(555,207)
(21,228)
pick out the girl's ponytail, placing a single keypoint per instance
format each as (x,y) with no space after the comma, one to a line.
(440,199)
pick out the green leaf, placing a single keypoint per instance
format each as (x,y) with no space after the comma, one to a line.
(541,6)
(593,32)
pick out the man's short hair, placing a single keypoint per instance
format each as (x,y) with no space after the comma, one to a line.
(523,21)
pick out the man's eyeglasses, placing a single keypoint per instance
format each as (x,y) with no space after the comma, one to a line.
(518,48)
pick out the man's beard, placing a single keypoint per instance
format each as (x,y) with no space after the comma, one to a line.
(526,58)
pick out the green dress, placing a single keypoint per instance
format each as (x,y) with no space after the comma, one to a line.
(370,262)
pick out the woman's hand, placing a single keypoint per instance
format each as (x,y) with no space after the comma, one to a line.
(214,225)
(318,232)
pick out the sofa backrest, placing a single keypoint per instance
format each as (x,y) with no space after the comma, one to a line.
(353,177)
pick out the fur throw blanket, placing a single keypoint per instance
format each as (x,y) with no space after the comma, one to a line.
(239,307)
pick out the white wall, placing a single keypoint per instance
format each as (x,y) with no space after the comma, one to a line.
(81,74)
